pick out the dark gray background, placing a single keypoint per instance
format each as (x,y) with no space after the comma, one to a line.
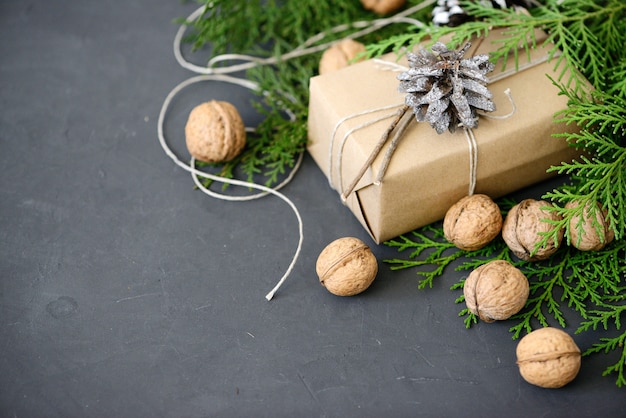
(125,292)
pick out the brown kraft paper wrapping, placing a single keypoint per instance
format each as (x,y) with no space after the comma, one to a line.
(428,172)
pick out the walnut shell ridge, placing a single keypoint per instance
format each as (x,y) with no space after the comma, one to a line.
(548,358)
(346,266)
(472,222)
(215,132)
(523,225)
(495,291)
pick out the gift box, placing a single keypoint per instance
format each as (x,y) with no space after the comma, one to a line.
(349,110)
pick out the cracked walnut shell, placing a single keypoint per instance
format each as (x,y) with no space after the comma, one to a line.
(495,291)
(215,132)
(548,358)
(523,226)
(472,222)
(587,233)
(340,55)
(346,267)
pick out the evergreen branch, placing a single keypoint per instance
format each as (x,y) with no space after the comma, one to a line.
(542,298)
(617,80)
(606,345)
(439,253)
(470,318)
(598,181)
(574,26)
(600,175)
(428,240)
(614,344)
(604,113)
(602,317)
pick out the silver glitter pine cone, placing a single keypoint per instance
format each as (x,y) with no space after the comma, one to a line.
(445,89)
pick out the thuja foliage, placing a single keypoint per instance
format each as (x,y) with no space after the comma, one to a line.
(599,176)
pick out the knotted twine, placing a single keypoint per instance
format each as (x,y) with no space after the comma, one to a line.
(213,73)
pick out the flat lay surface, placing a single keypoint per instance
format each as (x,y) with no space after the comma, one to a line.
(125,291)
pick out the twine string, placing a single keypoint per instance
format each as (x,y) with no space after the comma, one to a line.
(196,174)
(508,94)
(344,139)
(473,159)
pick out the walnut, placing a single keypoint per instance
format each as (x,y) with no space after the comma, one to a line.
(523,225)
(472,222)
(586,233)
(340,55)
(215,132)
(383,7)
(495,291)
(548,357)
(346,266)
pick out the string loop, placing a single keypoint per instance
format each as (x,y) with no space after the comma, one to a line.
(213,73)
(196,174)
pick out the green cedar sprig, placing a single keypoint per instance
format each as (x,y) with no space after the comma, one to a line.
(599,176)
(601,317)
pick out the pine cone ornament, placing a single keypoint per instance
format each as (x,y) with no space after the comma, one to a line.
(450,13)
(446,90)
